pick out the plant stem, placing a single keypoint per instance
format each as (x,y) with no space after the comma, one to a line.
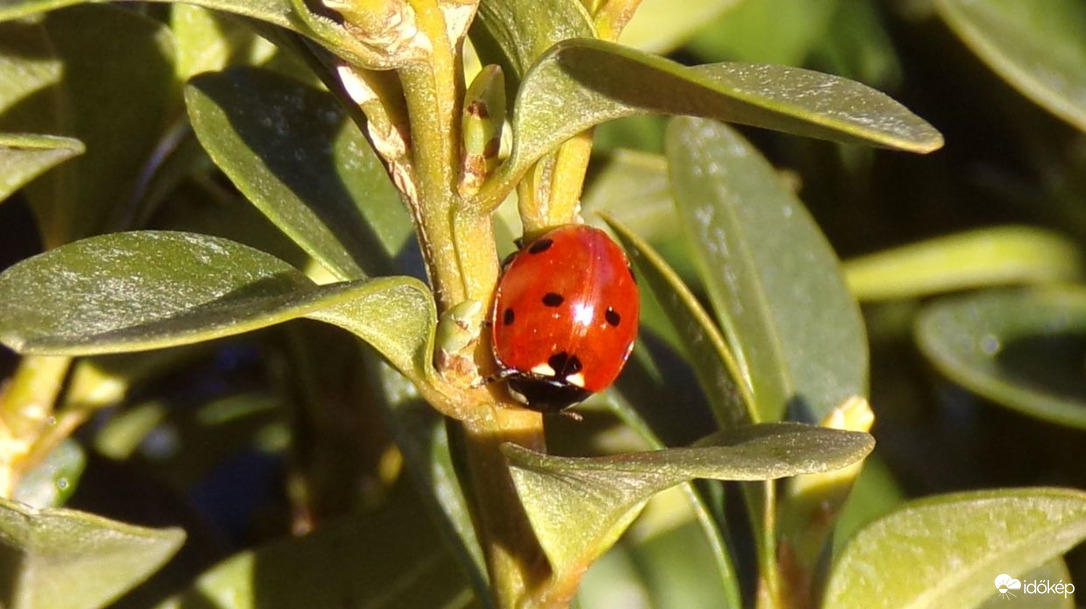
(550,193)
(26,407)
(769,584)
(570,165)
(461,255)
(515,561)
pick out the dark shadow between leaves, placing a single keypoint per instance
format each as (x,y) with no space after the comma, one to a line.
(663,390)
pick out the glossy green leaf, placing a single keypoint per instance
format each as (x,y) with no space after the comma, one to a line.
(332,34)
(152,289)
(390,558)
(109,57)
(657,27)
(771,275)
(27,63)
(874,494)
(634,188)
(63,559)
(206,41)
(211,207)
(714,364)
(700,502)
(1021,349)
(277,12)
(519,31)
(766,31)
(580,83)
(946,551)
(666,566)
(299,158)
(985,257)
(1037,47)
(579,506)
(24,157)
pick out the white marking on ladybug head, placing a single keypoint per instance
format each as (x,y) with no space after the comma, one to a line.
(576,379)
(583,313)
(543,369)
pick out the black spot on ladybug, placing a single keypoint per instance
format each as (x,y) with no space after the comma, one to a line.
(612,316)
(553,299)
(564,364)
(507,317)
(540,246)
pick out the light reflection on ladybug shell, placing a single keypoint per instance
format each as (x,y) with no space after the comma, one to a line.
(565,317)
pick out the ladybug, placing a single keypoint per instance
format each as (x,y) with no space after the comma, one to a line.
(565,317)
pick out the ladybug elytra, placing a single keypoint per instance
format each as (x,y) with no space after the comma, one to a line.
(565,317)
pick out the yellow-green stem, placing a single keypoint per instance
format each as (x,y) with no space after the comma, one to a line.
(462,260)
(26,406)
(769,584)
(515,561)
(570,166)
(550,193)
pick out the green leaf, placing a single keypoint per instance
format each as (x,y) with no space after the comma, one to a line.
(64,559)
(25,156)
(579,506)
(771,275)
(985,257)
(673,564)
(207,41)
(278,12)
(109,57)
(324,30)
(299,158)
(388,558)
(713,362)
(1037,47)
(701,500)
(633,187)
(27,63)
(152,289)
(580,83)
(946,551)
(766,31)
(1021,349)
(657,27)
(874,494)
(519,31)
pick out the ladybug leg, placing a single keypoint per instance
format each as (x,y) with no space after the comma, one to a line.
(571,414)
(500,375)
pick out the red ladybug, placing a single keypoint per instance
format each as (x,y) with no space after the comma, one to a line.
(565,317)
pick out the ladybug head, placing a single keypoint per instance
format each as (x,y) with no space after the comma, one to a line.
(546,394)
